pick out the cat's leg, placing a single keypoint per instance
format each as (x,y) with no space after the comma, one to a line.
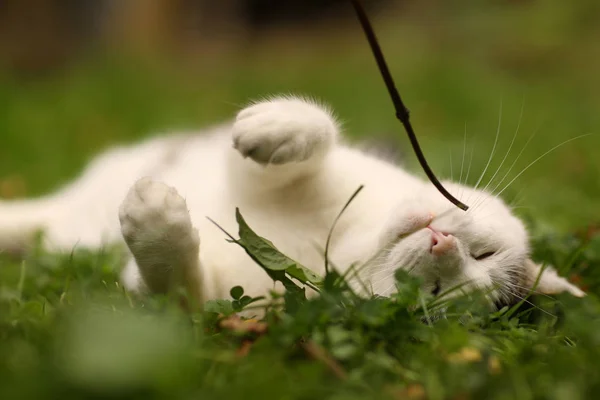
(71,217)
(82,213)
(20,220)
(281,140)
(156,226)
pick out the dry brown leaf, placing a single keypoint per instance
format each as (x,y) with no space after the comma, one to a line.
(414,391)
(239,325)
(465,355)
(494,365)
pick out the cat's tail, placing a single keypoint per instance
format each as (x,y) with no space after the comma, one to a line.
(21,222)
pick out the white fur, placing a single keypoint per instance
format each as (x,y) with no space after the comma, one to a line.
(279,162)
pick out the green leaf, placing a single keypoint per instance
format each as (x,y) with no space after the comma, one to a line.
(219,307)
(344,351)
(236,292)
(294,296)
(270,258)
(304,274)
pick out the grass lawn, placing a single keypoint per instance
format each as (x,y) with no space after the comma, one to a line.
(68,330)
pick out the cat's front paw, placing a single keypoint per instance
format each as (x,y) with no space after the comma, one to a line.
(283,130)
(155,222)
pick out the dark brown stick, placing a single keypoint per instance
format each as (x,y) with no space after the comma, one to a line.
(401,110)
(319,354)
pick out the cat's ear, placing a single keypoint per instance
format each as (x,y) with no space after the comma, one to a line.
(550,282)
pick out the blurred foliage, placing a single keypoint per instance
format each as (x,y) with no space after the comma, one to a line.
(68,330)
(458,67)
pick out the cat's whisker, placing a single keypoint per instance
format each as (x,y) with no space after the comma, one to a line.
(468,174)
(470,163)
(388,290)
(236,106)
(492,214)
(524,300)
(537,129)
(521,208)
(390,275)
(483,198)
(493,147)
(512,142)
(517,198)
(392,271)
(386,278)
(372,262)
(451,167)
(472,200)
(530,290)
(446,294)
(466,181)
(480,197)
(382,271)
(462,164)
(517,205)
(538,159)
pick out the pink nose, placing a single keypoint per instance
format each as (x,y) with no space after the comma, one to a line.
(441,243)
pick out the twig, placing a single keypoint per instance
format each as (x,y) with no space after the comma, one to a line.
(401,111)
(320,354)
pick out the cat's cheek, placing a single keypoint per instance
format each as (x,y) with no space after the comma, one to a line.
(402,225)
(477,278)
(410,251)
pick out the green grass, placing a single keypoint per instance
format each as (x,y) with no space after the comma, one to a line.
(68,330)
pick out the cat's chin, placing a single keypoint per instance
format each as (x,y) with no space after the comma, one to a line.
(410,251)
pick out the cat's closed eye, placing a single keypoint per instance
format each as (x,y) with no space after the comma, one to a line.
(484,255)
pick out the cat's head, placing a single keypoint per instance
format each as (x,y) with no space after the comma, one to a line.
(485,247)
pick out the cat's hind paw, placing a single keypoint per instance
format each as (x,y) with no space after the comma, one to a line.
(154,213)
(283,130)
(156,225)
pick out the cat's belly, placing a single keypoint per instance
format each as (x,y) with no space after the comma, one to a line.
(226,264)
(297,220)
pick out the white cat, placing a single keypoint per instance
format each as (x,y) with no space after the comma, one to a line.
(281,163)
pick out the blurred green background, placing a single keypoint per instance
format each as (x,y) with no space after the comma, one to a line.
(77,77)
